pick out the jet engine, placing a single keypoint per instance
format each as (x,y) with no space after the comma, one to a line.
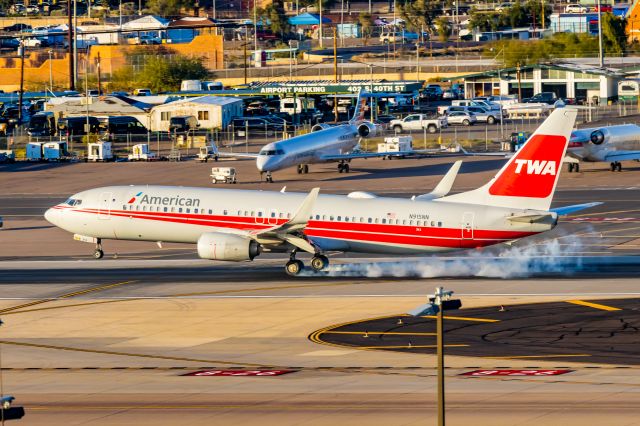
(367,130)
(230,247)
(320,126)
(597,137)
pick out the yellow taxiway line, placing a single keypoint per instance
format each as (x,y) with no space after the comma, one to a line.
(594,305)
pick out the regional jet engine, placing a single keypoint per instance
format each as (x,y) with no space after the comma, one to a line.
(367,130)
(597,137)
(320,126)
(220,246)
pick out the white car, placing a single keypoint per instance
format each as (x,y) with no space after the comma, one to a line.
(484,115)
(392,37)
(576,8)
(32,42)
(461,117)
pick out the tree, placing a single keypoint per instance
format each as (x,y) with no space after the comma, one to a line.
(614,37)
(417,15)
(366,22)
(161,74)
(444,28)
(278,21)
(168,7)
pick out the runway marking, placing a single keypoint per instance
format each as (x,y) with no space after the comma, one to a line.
(462,318)
(74,305)
(398,333)
(603,213)
(594,305)
(66,296)
(537,356)
(452,345)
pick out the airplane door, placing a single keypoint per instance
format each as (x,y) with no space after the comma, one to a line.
(104,209)
(467,226)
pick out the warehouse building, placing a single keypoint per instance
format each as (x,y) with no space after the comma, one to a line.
(212,112)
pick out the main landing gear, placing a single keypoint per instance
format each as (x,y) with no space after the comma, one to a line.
(616,166)
(303,168)
(574,167)
(294,266)
(269,177)
(98,253)
(343,167)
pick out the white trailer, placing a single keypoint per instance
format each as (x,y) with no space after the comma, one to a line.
(223,175)
(141,152)
(394,144)
(34,151)
(55,151)
(100,151)
(206,152)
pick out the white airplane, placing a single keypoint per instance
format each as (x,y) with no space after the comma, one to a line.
(611,144)
(238,225)
(324,144)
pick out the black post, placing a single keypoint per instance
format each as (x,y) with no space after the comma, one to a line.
(72,85)
(440,344)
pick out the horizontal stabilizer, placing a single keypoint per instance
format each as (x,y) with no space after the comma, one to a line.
(445,184)
(561,211)
(533,218)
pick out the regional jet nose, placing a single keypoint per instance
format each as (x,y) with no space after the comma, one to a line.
(262,162)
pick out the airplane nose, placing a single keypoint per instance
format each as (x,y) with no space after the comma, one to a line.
(51,215)
(262,163)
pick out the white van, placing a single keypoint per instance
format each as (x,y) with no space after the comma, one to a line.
(296,105)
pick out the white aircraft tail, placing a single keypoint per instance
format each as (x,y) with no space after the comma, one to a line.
(358,113)
(529,178)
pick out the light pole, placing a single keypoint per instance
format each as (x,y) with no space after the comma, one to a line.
(600,50)
(320,28)
(50,71)
(342,23)
(255,26)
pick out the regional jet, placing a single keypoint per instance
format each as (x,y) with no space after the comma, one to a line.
(325,143)
(238,225)
(611,144)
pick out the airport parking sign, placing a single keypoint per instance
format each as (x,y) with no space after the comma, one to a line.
(234,373)
(512,373)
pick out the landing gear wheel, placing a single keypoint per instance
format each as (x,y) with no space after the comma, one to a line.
(576,167)
(570,167)
(345,168)
(300,169)
(98,254)
(613,167)
(293,267)
(618,166)
(306,169)
(340,168)
(318,263)
(269,178)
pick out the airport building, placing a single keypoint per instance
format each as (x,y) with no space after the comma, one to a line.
(566,80)
(212,112)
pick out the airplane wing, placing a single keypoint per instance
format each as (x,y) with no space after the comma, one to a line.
(535,216)
(622,156)
(290,231)
(362,154)
(237,154)
(486,154)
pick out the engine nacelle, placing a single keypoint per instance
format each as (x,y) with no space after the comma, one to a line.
(219,246)
(597,137)
(320,126)
(367,130)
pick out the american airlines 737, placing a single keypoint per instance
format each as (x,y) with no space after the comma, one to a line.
(238,225)
(324,144)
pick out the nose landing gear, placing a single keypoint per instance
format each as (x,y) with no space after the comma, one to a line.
(303,168)
(269,177)
(98,253)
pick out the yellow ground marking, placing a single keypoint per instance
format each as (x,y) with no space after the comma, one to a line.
(594,305)
(453,345)
(537,356)
(73,305)
(66,296)
(399,333)
(603,213)
(462,318)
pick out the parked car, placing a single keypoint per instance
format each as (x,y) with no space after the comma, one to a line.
(503,6)
(284,115)
(183,124)
(461,117)
(433,91)
(448,94)
(484,115)
(142,92)
(576,8)
(417,122)
(122,127)
(392,37)
(254,124)
(17,27)
(73,126)
(542,97)
(42,124)
(149,39)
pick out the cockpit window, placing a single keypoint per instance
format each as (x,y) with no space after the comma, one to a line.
(73,202)
(270,152)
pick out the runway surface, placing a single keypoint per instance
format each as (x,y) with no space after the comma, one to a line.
(108,342)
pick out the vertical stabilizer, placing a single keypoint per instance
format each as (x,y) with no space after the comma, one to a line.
(358,113)
(529,178)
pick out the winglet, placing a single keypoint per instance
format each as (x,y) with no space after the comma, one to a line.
(561,211)
(445,184)
(301,218)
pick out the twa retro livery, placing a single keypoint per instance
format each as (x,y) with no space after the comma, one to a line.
(611,144)
(238,225)
(324,144)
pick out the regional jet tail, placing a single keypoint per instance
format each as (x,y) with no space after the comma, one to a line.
(325,143)
(238,225)
(611,144)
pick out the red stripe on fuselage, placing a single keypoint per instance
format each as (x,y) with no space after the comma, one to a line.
(420,236)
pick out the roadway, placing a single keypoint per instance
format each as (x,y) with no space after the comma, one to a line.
(107,342)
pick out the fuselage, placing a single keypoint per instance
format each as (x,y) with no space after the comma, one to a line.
(337,222)
(624,137)
(307,149)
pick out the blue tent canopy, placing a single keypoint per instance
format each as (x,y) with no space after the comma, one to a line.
(308,19)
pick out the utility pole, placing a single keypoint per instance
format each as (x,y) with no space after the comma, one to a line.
(246,33)
(21,94)
(99,76)
(320,28)
(335,56)
(600,50)
(75,42)
(519,83)
(255,25)
(72,83)
(341,24)
(542,10)
(50,71)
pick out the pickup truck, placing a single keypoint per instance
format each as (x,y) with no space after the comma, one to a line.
(418,122)
(542,97)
